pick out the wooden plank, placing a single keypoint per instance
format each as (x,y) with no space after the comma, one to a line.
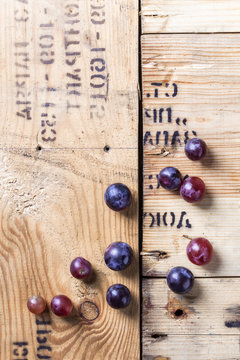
(190,16)
(57,116)
(205,71)
(201,325)
(211,307)
(203,347)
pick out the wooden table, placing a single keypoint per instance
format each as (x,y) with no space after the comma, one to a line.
(70,109)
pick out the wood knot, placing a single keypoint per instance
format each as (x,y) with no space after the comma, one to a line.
(88,310)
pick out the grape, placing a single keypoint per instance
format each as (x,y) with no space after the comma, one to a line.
(192,189)
(170,178)
(61,305)
(80,268)
(180,280)
(118,197)
(36,304)
(118,296)
(195,149)
(200,251)
(118,256)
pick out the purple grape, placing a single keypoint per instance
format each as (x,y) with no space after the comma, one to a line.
(180,280)
(61,305)
(192,189)
(118,256)
(118,197)
(118,296)
(80,268)
(195,149)
(170,178)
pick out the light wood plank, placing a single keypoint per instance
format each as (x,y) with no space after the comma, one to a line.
(52,206)
(206,71)
(203,347)
(176,16)
(211,307)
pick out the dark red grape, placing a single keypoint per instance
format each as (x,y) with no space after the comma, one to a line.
(192,189)
(200,251)
(80,268)
(118,197)
(170,178)
(195,149)
(118,256)
(180,280)
(118,296)
(61,305)
(36,304)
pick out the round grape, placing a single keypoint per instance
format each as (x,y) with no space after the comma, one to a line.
(192,189)
(200,251)
(118,197)
(61,305)
(180,280)
(195,149)
(80,268)
(170,178)
(118,296)
(36,304)
(118,256)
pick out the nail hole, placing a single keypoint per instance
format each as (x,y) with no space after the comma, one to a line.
(106,148)
(178,312)
(39,148)
(155,336)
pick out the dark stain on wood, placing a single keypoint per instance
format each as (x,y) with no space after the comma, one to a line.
(234,309)
(148,303)
(158,336)
(232,324)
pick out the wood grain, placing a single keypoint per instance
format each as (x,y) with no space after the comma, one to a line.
(52,206)
(203,347)
(191,88)
(207,326)
(176,16)
(206,71)
(211,307)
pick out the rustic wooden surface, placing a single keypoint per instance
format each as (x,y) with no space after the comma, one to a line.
(54,172)
(193,347)
(205,70)
(207,326)
(177,16)
(201,312)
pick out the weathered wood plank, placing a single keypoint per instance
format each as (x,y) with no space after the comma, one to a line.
(211,307)
(57,115)
(190,16)
(203,347)
(199,94)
